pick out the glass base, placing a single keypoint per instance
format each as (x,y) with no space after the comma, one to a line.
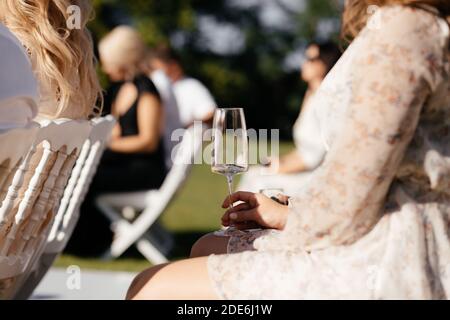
(226,231)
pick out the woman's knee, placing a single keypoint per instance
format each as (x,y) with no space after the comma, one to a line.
(209,244)
(200,246)
(184,279)
(141,280)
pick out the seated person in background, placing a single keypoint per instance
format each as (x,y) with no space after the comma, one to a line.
(171,111)
(288,172)
(135,157)
(195,102)
(18,86)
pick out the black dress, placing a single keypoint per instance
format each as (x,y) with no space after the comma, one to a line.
(117,172)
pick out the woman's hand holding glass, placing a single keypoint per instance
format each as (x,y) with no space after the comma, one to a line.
(255,210)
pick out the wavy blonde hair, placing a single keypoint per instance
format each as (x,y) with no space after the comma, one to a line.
(356,13)
(62,57)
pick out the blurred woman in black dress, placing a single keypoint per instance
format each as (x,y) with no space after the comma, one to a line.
(135,157)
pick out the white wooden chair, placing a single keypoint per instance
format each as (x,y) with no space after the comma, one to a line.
(33,198)
(15,145)
(68,212)
(79,183)
(153,203)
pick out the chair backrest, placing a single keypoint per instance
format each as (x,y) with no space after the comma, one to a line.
(154,202)
(184,155)
(171,111)
(14,147)
(68,211)
(28,210)
(79,183)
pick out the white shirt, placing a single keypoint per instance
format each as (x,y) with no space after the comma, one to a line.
(171,113)
(194,100)
(18,87)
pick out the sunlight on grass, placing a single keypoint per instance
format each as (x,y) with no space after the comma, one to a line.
(122,264)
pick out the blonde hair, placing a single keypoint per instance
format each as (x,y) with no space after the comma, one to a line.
(63,58)
(356,13)
(124,48)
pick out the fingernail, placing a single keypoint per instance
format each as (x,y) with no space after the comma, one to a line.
(233,216)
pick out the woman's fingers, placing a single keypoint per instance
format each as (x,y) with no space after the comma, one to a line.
(239,207)
(243,216)
(248,197)
(243,225)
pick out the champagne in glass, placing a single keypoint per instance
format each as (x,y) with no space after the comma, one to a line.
(230,144)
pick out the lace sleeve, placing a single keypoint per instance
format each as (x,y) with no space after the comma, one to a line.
(396,68)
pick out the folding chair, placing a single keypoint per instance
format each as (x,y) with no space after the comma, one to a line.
(68,211)
(153,203)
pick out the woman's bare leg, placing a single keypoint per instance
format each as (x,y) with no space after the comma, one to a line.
(209,244)
(181,280)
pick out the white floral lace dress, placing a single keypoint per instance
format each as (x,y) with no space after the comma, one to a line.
(374,222)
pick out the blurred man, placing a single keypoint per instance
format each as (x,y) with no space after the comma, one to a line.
(195,102)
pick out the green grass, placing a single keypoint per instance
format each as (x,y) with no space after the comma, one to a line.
(195,210)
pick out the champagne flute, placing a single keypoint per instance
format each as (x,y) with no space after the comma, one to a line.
(230,144)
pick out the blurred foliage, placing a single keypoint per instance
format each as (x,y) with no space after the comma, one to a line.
(253,78)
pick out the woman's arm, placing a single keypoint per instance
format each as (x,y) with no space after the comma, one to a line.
(397,67)
(290,163)
(149,120)
(117,130)
(309,149)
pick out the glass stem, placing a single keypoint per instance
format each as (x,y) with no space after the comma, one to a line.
(230,192)
(230,187)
